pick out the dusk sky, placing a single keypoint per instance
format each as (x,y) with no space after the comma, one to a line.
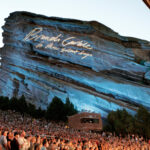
(127,17)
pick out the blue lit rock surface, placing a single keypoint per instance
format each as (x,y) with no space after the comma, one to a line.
(95,67)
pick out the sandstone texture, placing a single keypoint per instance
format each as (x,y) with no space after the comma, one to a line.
(95,67)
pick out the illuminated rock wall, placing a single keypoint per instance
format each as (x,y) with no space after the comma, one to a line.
(95,67)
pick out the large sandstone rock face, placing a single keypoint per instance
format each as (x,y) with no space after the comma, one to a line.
(95,67)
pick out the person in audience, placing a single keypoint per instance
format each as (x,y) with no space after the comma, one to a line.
(38,147)
(22,140)
(33,143)
(3,140)
(14,143)
(0,147)
(28,144)
(9,139)
(45,145)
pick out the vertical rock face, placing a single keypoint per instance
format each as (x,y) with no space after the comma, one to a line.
(96,68)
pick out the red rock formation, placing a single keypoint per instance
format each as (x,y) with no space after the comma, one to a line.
(147,2)
(95,67)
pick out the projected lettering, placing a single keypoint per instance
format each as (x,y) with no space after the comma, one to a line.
(65,43)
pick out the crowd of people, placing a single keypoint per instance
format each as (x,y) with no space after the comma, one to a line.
(22,132)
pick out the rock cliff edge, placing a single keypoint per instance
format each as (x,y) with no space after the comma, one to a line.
(95,67)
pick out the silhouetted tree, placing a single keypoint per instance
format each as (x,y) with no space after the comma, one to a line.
(55,110)
(40,113)
(58,111)
(142,122)
(23,105)
(31,110)
(69,109)
(4,103)
(14,104)
(120,121)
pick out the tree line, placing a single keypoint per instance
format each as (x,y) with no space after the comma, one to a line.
(121,122)
(56,110)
